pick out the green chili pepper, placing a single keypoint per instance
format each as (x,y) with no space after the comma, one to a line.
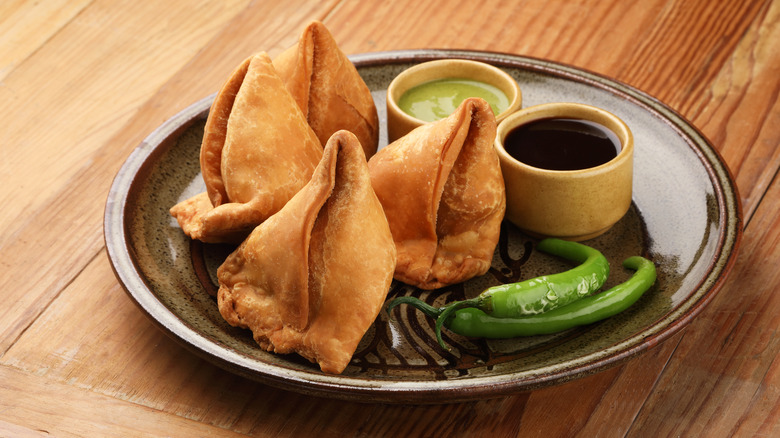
(547,292)
(534,296)
(475,323)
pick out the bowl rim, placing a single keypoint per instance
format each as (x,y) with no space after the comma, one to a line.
(403,82)
(567,110)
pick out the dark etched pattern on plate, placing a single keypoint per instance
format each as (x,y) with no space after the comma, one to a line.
(403,344)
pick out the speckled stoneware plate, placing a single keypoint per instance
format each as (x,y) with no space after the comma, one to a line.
(685,216)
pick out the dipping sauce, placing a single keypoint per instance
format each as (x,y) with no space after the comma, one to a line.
(434,100)
(562,144)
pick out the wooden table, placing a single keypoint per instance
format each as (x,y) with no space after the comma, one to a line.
(82,82)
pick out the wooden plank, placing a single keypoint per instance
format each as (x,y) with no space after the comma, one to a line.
(74,111)
(94,337)
(32,406)
(740,109)
(696,41)
(29,25)
(603,404)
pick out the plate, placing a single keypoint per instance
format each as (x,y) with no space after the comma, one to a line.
(685,216)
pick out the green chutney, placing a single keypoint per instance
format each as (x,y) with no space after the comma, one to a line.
(434,100)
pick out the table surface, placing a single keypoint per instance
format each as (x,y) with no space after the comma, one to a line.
(82,82)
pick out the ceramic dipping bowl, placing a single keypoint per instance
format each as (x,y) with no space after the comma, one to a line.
(568,204)
(399,122)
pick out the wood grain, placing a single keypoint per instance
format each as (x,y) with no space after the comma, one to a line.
(34,407)
(27,26)
(84,82)
(740,110)
(80,110)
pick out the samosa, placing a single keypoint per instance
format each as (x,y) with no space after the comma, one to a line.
(328,88)
(258,150)
(312,278)
(443,193)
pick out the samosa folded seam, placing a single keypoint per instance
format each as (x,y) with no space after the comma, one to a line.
(257,152)
(313,277)
(328,88)
(443,193)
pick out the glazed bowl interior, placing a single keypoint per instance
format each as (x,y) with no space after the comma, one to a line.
(577,204)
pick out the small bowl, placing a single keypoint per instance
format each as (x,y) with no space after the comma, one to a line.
(569,204)
(399,123)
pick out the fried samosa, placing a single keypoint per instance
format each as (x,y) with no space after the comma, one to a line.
(328,88)
(443,193)
(313,277)
(258,150)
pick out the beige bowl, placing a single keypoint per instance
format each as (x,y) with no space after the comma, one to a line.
(568,204)
(400,123)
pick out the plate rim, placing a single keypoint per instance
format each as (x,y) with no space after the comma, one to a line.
(435,391)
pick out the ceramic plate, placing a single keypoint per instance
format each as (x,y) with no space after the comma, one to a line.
(685,217)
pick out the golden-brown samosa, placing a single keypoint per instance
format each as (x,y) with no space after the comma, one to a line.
(443,194)
(328,88)
(258,150)
(312,278)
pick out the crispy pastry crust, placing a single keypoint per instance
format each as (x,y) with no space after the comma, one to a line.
(257,152)
(313,277)
(443,194)
(328,88)
(249,175)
